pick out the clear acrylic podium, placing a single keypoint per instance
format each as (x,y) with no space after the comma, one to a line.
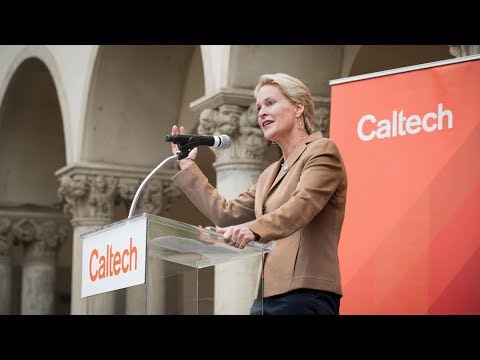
(188,271)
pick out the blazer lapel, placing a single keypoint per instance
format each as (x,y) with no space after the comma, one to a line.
(273,179)
(270,179)
(291,160)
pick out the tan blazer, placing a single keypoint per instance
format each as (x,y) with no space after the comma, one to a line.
(302,208)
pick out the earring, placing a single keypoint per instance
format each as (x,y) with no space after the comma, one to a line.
(300,125)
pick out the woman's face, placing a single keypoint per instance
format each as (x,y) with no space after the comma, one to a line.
(276,114)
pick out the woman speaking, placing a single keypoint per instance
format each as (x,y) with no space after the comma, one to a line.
(299,201)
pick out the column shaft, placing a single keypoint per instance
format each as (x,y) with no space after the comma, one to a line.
(5,285)
(38,286)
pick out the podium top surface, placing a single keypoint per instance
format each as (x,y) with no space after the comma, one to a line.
(181,243)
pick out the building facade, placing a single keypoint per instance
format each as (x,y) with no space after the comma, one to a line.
(82,125)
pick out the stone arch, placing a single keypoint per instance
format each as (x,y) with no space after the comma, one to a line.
(315,65)
(373,58)
(32,142)
(43,54)
(136,94)
(32,148)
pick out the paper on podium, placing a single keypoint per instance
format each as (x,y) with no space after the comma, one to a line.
(216,253)
(208,251)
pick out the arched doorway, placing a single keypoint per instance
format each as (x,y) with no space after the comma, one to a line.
(32,148)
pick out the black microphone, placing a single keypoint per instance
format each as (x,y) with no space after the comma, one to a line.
(219,141)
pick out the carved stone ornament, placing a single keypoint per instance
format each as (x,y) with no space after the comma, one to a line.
(6,238)
(322,121)
(24,231)
(90,192)
(158,197)
(248,142)
(51,234)
(126,191)
(102,194)
(88,195)
(40,238)
(251,136)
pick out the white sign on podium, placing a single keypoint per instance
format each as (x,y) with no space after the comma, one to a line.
(114,258)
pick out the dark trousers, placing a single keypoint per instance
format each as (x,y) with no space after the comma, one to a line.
(299,302)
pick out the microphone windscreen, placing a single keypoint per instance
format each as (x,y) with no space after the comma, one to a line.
(225,141)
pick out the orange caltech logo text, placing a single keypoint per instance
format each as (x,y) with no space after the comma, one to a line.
(112,262)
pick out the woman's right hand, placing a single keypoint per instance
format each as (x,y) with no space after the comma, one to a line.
(190,159)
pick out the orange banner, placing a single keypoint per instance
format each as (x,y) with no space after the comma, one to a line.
(411,143)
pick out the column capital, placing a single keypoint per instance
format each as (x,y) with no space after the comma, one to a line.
(89,191)
(240,123)
(41,238)
(41,229)
(6,236)
(158,197)
(88,196)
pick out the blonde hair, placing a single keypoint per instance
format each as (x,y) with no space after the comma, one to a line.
(294,90)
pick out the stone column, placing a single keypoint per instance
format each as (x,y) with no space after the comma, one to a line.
(89,192)
(41,240)
(40,230)
(464,50)
(88,196)
(237,169)
(5,266)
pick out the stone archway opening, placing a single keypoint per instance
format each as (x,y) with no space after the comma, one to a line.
(373,58)
(36,263)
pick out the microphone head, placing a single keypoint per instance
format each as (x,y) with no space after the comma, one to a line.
(225,141)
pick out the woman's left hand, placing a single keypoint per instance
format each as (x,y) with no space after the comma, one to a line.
(237,236)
